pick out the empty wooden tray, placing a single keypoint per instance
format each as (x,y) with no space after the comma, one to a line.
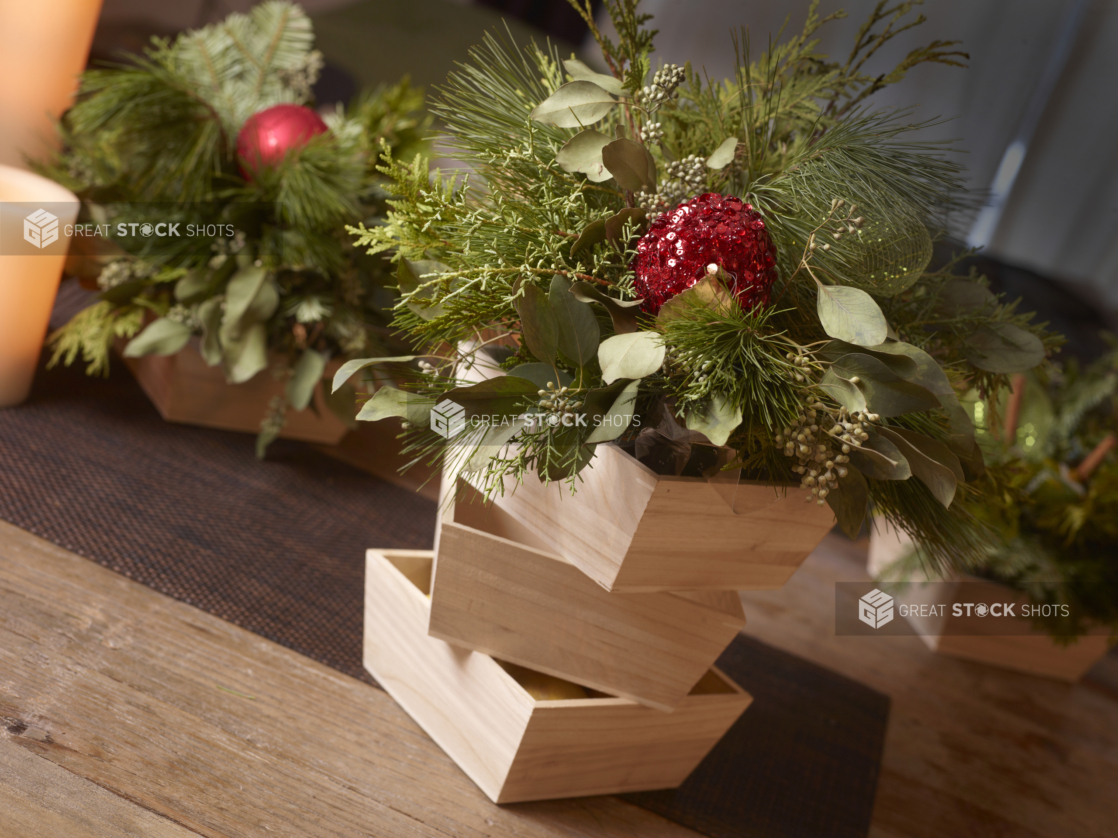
(514,746)
(500,591)
(631,530)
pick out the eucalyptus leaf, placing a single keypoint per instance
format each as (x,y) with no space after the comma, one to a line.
(347,370)
(903,365)
(934,449)
(880,459)
(540,326)
(308,371)
(716,419)
(193,286)
(249,299)
(849,502)
(574,105)
(611,410)
(631,164)
(931,376)
(886,392)
(940,478)
(1003,348)
(846,393)
(724,154)
(161,337)
(964,444)
(390,401)
(583,153)
(850,314)
(209,315)
(493,441)
(631,356)
(581,72)
(615,224)
(958,296)
(578,327)
(246,354)
(541,374)
(505,395)
(623,313)
(594,233)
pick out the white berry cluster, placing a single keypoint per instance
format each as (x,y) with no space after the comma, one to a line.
(652,133)
(179,313)
(822,452)
(559,401)
(663,86)
(120,271)
(690,363)
(684,178)
(843,224)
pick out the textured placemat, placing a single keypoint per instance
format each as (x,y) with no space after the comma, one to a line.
(278,548)
(805,756)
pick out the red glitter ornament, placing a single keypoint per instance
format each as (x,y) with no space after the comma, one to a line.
(267,137)
(708,230)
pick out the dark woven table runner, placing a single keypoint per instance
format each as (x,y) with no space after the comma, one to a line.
(278,548)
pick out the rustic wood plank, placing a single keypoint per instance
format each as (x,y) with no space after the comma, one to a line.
(226,733)
(971,749)
(38,798)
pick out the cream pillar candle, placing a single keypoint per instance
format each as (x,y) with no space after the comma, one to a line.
(43,49)
(36,220)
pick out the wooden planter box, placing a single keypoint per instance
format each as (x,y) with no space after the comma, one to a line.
(185,389)
(970,638)
(632,530)
(514,746)
(499,590)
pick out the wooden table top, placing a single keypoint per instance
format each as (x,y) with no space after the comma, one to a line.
(125,713)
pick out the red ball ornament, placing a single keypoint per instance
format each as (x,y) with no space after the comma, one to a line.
(708,230)
(267,137)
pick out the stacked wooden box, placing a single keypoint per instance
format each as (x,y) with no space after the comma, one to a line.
(559,645)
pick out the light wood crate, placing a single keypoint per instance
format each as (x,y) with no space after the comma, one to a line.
(185,389)
(499,590)
(516,747)
(632,530)
(970,638)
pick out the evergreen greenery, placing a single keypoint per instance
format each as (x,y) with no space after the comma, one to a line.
(846,383)
(273,280)
(1058,526)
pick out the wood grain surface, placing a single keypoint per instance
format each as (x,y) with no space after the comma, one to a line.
(971,751)
(145,698)
(220,731)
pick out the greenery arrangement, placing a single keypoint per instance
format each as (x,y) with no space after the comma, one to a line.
(711,274)
(1055,500)
(271,279)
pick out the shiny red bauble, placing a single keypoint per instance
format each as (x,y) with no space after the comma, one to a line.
(267,137)
(708,230)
